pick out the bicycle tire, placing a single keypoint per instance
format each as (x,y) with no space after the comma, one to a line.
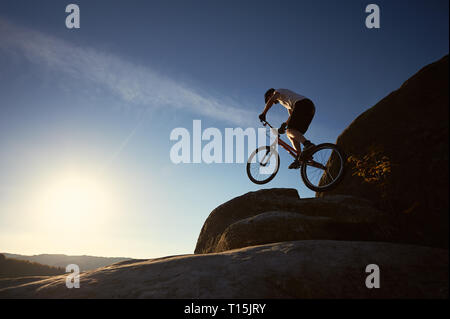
(249,165)
(336,163)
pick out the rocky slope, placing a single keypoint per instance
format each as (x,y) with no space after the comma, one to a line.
(288,248)
(409,129)
(276,215)
(297,269)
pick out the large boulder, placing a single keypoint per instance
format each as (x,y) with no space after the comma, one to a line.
(297,269)
(241,207)
(398,155)
(276,215)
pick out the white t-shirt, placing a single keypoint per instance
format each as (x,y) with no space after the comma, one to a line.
(287,98)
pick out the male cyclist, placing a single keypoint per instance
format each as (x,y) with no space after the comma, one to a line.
(301,112)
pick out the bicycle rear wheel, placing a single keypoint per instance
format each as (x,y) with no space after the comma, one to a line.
(263,165)
(324,169)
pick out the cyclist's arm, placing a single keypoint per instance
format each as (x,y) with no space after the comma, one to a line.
(271,102)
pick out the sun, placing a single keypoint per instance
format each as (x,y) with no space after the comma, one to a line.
(75,202)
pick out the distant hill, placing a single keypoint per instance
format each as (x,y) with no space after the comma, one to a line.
(11,267)
(60,260)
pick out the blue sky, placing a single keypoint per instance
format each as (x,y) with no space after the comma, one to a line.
(100,102)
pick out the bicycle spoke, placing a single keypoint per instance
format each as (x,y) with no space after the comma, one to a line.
(262,165)
(319,173)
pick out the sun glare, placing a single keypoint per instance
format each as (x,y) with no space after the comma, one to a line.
(75,202)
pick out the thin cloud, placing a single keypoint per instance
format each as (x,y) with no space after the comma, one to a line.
(134,84)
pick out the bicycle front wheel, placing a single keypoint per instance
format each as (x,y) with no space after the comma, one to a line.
(263,165)
(324,169)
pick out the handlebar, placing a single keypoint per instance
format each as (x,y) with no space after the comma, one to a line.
(265,123)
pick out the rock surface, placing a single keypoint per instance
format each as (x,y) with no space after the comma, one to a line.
(242,207)
(297,269)
(410,128)
(275,215)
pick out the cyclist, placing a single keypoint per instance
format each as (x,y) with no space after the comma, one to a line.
(301,112)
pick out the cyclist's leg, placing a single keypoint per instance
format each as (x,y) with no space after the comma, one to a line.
(296,138)
(300,120)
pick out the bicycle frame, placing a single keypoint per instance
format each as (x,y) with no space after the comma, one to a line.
(291,150)
(282,143)
(287,147)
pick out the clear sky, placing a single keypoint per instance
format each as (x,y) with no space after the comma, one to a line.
(86,114)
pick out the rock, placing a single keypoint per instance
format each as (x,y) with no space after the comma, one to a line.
(410,128)
(271,227)
(241,207)
(274,215)
(297,269)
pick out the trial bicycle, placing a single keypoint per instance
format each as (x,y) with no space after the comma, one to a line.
(321,170)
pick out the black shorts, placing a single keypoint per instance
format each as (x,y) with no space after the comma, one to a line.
(302,115)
